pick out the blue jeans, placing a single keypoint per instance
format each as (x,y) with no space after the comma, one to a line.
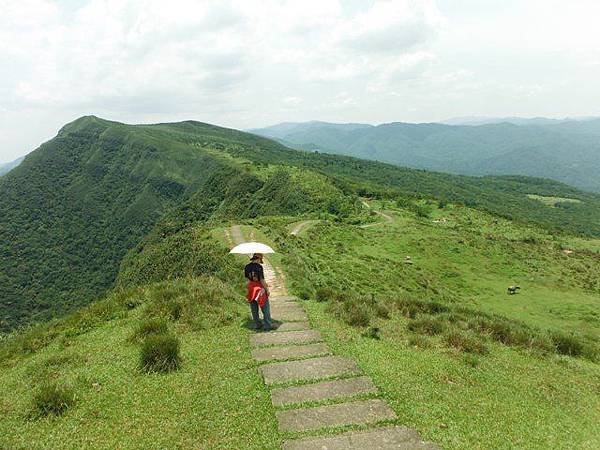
(266,310)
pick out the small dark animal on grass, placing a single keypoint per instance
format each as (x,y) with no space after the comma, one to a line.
(513,290)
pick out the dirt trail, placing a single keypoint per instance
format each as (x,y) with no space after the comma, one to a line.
(387,217)
(302,226)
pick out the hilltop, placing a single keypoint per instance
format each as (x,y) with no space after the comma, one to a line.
(566,151)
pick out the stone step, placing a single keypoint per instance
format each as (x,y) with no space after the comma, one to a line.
(290,326)
(286,305)
(289,315)
(284,298)
(324,390)
(388,438)
(352,413)
(290,337)
(290,352)
(308,369)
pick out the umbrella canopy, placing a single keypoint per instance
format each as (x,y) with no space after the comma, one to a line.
(248,248)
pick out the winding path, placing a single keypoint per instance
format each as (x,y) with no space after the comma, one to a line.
(299,228)
(300,368)
(387,218)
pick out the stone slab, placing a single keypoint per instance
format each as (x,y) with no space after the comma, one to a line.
(352,413)
(290,337)
(324,390)
(388,438)
(308,369)
(284,298)
(289,315)
(286,307)
(290,352)
(291,326)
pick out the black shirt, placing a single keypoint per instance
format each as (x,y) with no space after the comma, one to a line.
(254,272)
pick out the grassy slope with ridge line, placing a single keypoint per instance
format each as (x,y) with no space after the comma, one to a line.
(216,398)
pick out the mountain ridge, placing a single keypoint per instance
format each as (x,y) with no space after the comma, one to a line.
(567,151)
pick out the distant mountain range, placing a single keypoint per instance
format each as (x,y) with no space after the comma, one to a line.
(563,150)
(483,120)
(7,167)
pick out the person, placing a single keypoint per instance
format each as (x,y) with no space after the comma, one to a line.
(258,292)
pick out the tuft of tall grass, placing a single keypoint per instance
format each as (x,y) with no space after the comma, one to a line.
(353,311)
(419,341)
(427,325)
(465,342)
(568,344)
(160,353)
(52,398)
(149,327)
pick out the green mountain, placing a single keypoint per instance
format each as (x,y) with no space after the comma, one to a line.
(404,271)
(5,168)
(82,200)
(566,151)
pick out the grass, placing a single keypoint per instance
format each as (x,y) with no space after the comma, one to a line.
(160,353)
(150,327)
(470,258)
(215,400)
(552,201)
(466,342)
(503,399)
(457,358)
(52,398)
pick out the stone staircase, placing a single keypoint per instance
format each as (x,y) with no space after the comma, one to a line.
(314,391)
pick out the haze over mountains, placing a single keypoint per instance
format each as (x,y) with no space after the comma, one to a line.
(566,151)
(7,167)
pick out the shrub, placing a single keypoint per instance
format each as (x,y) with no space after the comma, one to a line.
(466,342)
(149,327)
(423,211)
(427,325)
(160,353)
(52,398)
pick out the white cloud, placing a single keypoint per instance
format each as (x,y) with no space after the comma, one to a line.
(246,63)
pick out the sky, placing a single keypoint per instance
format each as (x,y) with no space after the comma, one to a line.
(253,63)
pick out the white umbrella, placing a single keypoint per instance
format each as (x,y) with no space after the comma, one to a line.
(248,248)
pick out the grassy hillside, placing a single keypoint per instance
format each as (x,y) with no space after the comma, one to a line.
(564,151)
(418,329)
(181,281)
(78,203)
(458,358)
(70,212)
(454,355)
(91,362)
